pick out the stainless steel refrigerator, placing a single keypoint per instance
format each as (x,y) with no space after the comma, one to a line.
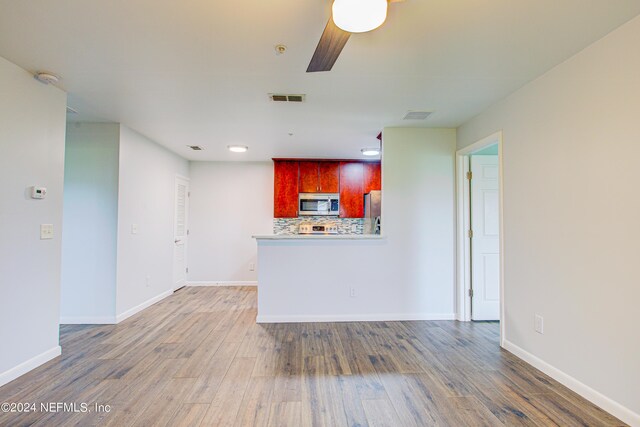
(372,203)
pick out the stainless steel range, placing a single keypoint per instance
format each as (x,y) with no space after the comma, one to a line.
(310,228)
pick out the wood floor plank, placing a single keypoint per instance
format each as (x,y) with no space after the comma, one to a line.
(469,411)
(287,388)
(228,398)
(206,385)
(198,358)
(380,413)
(256,403)
(189,415)
(163,407)
(285,414)
(320,404)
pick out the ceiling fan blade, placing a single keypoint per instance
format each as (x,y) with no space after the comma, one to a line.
(329,47)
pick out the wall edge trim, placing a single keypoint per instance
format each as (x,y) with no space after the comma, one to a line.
(29,365)
(376,317)
(88,320)
(614,408)
(213,283)
(138,308)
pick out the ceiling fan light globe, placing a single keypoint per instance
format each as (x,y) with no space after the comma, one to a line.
(359,16)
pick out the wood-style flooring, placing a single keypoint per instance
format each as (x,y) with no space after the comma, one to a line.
(198,358)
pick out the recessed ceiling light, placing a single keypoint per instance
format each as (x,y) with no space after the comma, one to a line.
(237,148)
(372,151)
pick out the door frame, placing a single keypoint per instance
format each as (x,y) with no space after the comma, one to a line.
(463,220)
(175,212)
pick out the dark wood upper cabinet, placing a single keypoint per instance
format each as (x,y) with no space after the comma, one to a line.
(285,190)
(329,177)
(372,177)
(351,190)
(309,179)
(319,177)
(352,179)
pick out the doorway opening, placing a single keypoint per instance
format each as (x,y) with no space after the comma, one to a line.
(479,231)
(180,232)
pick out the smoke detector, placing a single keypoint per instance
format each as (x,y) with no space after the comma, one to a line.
(46,78)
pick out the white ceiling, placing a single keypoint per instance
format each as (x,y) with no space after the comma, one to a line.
(198,72)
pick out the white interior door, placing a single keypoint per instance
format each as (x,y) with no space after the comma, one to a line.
(180,233)
(485,242)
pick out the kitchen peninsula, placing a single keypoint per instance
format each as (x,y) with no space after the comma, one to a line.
(326,219)
(307,278)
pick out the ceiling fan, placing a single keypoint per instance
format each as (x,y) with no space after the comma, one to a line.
(347,17)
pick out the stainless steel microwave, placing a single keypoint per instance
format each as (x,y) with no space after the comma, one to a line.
(327,204)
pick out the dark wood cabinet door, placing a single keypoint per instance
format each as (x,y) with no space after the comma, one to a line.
(329,177)
(285,190)
(309,182)
(372,177)
(351,190)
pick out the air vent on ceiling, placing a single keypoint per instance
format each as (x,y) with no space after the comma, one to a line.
(417,115)
(286,97)
(71,110)
(196,147)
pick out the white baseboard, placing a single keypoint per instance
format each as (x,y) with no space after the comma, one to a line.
(34,362)
(140,307)
(88,320)
(597,398)
(384,317)
(223,283)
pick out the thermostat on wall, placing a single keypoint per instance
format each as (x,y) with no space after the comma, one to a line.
(38,192)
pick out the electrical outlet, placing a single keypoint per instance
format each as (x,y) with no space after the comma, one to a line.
(352,292)
(252,267)
(148,281)
(46,231)
(354,228)
(539,324)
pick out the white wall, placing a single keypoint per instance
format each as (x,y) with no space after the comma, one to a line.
(145,197)
(32,132)
(418,210)
(90,223)
(230,202)
(408,275)
(571,210)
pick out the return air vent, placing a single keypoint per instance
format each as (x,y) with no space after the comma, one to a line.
(196,147)
(417,115)
(286,97)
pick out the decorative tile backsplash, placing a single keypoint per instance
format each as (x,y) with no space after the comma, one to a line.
(290,225)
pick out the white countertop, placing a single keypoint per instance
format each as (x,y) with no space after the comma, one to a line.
(319,237)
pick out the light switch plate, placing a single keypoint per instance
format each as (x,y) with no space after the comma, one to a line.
(46,231)
(134,228)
